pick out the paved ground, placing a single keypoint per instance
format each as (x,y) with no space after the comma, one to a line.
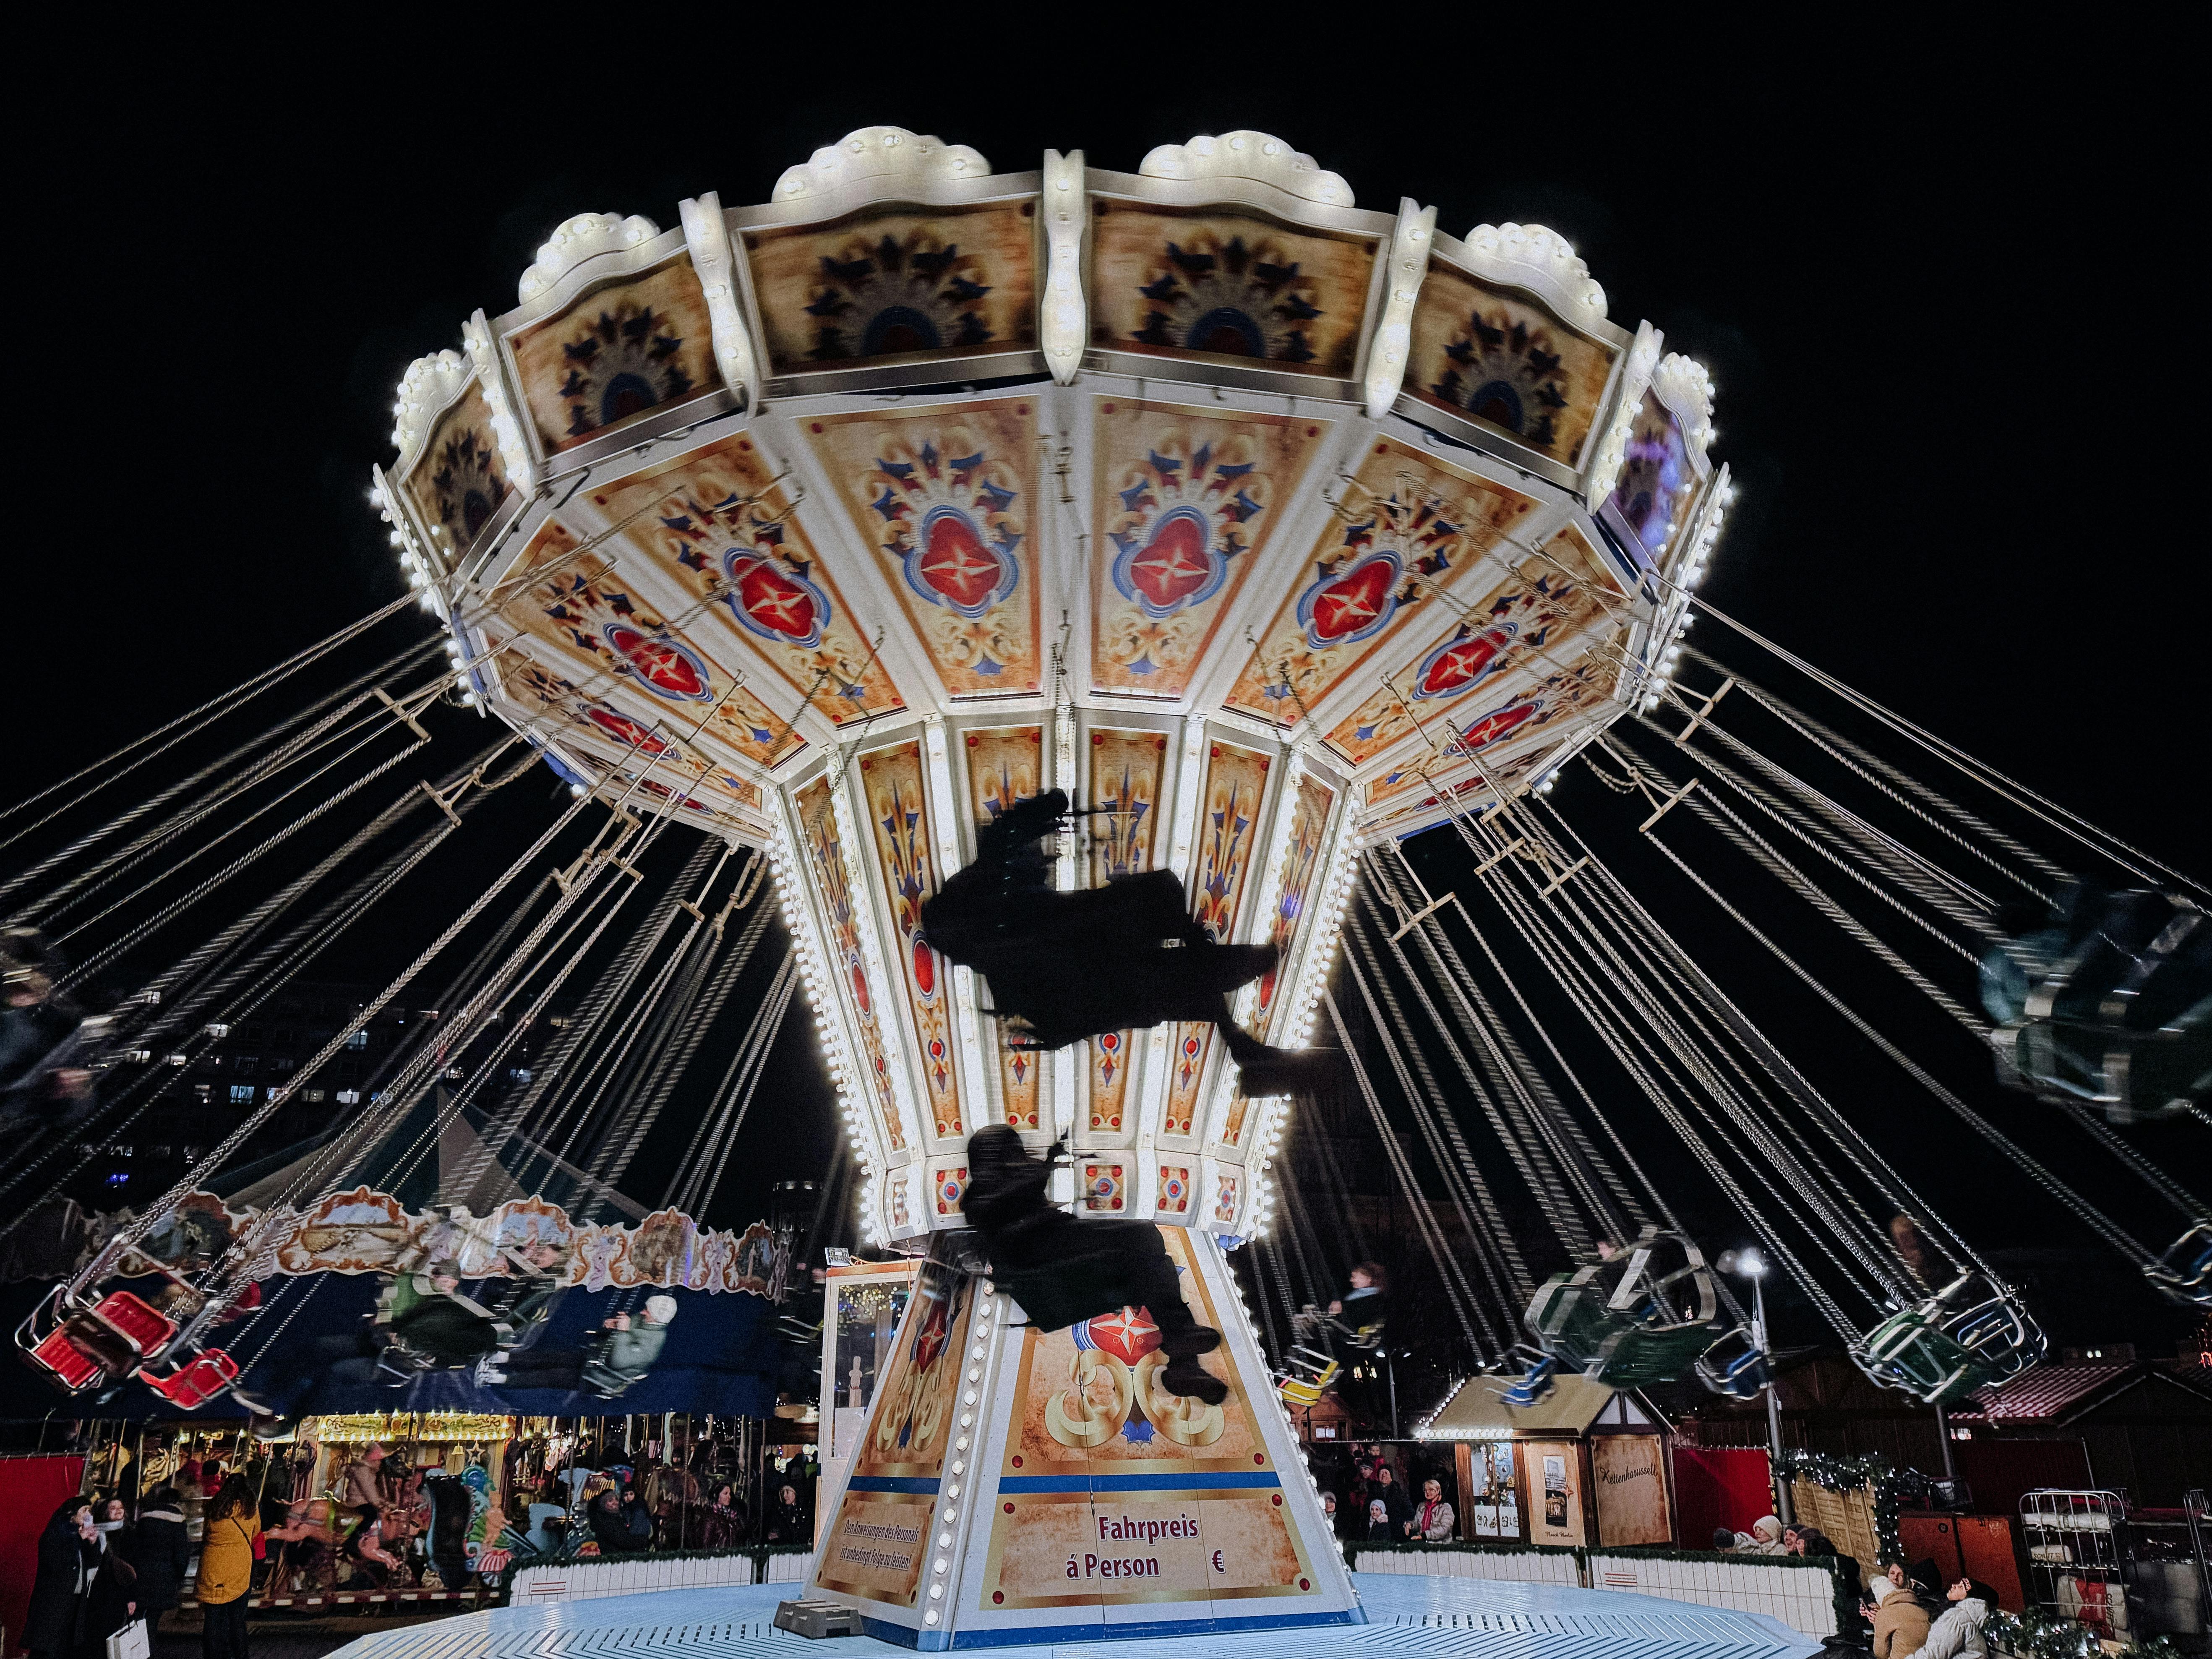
(1466,1618)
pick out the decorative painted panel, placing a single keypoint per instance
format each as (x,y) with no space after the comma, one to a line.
(596,732)
(1105,1185)
(1125,790)
(1453,781)
(1186,503)
(1506,362)
(1005,763)
(1125,780)
(721,524)
(1658,481)
(1172,1197)
(825,852)
(1173,281)
(573,606)
(1523,623)
(898,287)
(1236,783)
(945,497)
(615,354)
(1409,529)
(1521,714)
(1302,864)
(898,817)
(459,481)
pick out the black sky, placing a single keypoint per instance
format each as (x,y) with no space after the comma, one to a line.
(1942,289)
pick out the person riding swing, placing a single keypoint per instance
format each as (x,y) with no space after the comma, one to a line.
(1062,1270)
(1066,966)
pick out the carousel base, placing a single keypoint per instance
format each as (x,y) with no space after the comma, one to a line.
(1466,1618)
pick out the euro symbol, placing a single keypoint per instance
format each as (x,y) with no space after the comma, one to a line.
(1218,1567)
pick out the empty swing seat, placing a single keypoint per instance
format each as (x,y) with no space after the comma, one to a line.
(1310,1372)
(88,1345)
(1735,1367)
(144,1328)
(1533,1385)
(204,1377)
(2185,1272)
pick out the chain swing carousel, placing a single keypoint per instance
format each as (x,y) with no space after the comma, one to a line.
(1275,532)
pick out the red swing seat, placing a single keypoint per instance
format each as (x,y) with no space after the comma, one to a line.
(204,1377)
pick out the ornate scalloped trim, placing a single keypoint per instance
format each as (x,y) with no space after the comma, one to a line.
(1686,387)
(584,237)
(505,431)
(1708,531)
(873,152)
(1259,157)
(1388,352)
(1063,319)
(708,235)
(431,384)
(1541,261)
(1635,378)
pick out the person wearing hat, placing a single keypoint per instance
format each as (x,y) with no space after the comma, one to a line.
(1900,1623)
(1766,1537)
(626,1351)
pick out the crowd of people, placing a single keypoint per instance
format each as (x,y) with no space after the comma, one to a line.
(101,1569)
(378,1522)
(1377,1507)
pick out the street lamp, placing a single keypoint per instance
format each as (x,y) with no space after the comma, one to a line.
(1749,1263)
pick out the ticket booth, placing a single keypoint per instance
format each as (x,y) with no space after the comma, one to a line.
(1586,1465)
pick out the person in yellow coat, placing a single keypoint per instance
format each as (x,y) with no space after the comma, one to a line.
(234,1522)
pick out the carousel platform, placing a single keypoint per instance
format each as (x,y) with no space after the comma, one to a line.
(1466,1618)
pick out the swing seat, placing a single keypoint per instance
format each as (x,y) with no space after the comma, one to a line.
(1303,1393)
(1941,1351)
(1734,1366)
(1533,1385)
(2185,1272)
(61,1355)
(1645,1314)
(144,1328)
(204,1378)
(85,1346)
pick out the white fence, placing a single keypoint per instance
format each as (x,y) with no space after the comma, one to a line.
(1513,1567)
(1802,1597)
(1801,1594)
(589,1578)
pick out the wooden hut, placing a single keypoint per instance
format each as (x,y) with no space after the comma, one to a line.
(1587,1464)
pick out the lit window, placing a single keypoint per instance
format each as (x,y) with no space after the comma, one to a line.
(241,1094)
(519,1073)
(358,1040)
(313,1097)
(349,1097)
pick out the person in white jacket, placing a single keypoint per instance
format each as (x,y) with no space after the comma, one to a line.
(1958,1631)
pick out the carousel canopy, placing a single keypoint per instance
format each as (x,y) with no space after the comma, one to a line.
(1259,519)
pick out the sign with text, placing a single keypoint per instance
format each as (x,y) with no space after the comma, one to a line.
(1070,1549)
(877,1546)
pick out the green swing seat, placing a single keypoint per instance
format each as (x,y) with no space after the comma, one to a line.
(1643,1315)
(1952,1343)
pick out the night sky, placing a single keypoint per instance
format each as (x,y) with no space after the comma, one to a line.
(1935,301)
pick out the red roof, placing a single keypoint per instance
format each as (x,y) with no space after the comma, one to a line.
(2048,1391)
